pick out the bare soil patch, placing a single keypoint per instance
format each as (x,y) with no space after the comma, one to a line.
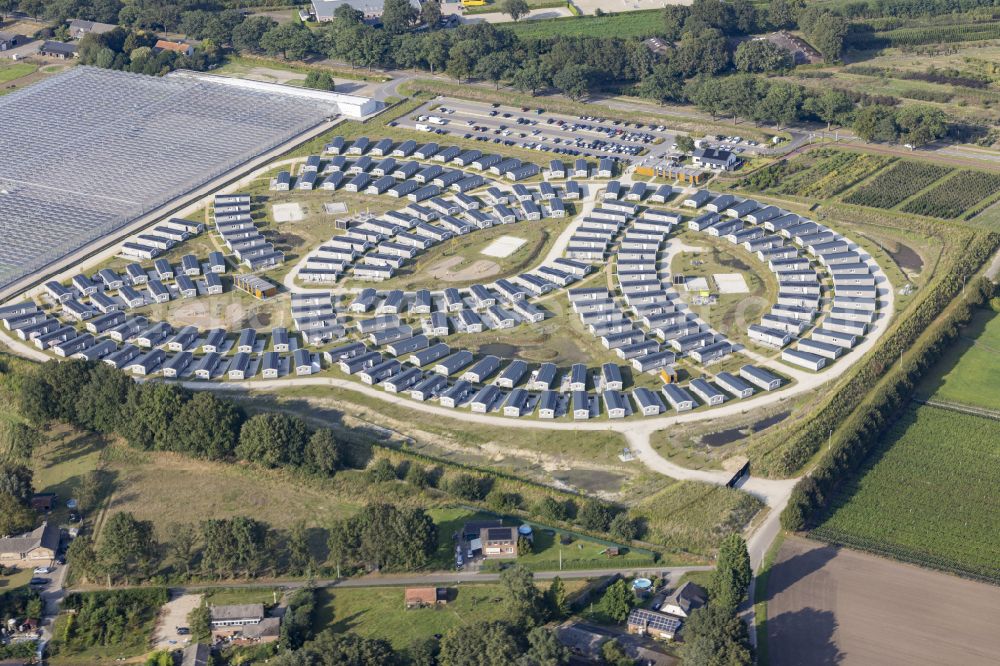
(477,270)
(828,605)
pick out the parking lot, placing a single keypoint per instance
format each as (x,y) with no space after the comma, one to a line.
(537,129)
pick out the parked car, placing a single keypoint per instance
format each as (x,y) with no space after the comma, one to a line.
(39,581)
(42,570)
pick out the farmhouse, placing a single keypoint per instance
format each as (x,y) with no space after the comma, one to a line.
(34,548)
(644,622)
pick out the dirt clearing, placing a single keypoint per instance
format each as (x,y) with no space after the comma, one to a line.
(174,614)
(836,606)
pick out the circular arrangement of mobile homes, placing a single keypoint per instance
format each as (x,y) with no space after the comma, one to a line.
(607,272)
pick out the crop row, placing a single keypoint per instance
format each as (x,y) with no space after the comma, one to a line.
(967,32)
(897,184)
(835,174)
(954,197)
(928,495)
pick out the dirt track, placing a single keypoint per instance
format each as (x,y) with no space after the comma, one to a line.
(836,606)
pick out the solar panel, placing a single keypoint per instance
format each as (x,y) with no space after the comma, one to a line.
(654,620)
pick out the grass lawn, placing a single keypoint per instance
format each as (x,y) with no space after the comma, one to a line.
(967,373)
(731,313)
(236,595)
(10,70)
(928,495)
(459,262)
(379,612)
(18,580)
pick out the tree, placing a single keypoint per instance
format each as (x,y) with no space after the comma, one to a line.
(96,485)
(430,13)
(831,105)
(738,95)
(247,35)
(416,476)
(273,439)
(781,13)
(382,536)
(685,143)
(16,481)
(333,649)
(494,67)
(126,544)
(732,574)
(827,33)
(462,58)
(206,427)
(18,441)
(466,486)
(702,52)
(300,557)
(319,80)
(479,644)
(347,15)
(555,599)
(623,528)
(233,546)
(200,621)
(290,40)
(503,502)
(760,55)
(324,453)
(149,415)
(182,539)
(574,81)
(15,517)
(614,655)
(544,649)
(522,600)
(530,77)
(920,125)
(618,601)
(99,406)
(398,16)
(876,122)
(780,105)
(662,85)
(515,9)
(595,515)
(424,652)
(551,509)
(382,470)
(715,637)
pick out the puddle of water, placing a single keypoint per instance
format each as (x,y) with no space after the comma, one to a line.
(501,349)
(591,480)
(907,258)
(731,435)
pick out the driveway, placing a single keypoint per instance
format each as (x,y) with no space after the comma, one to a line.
(174,614)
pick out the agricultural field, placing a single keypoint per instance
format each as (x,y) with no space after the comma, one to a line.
(627,24)
(964,191)
(10,70)
(928,495)
(892,187)
(968,371)
(818,174)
